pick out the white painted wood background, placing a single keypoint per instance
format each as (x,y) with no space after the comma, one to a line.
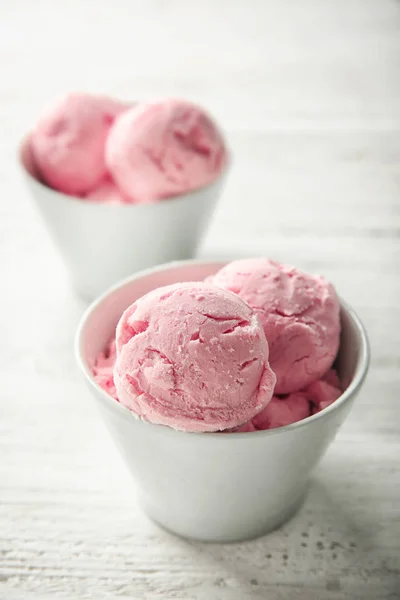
(309,95)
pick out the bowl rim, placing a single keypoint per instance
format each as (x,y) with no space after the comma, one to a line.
(218,179)
(360,374)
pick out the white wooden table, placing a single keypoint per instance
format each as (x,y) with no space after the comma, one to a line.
(309,94)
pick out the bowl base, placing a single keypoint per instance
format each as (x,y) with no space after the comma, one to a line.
(268,525)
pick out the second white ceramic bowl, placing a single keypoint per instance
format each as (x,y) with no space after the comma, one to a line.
(213,486)
(102,243)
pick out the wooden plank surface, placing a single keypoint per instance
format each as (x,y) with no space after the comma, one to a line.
(309,95)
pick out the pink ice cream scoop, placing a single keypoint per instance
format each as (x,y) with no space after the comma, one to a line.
(68,142)
(193,357)
(299,313)
(162,149)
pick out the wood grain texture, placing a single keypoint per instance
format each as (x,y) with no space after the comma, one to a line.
(309,95)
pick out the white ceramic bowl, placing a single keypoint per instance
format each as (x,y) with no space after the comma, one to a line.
(102,243)
(213,486)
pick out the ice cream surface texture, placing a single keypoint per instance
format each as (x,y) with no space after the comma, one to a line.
(193,357)
(68,142)
(299,313)
(162,149)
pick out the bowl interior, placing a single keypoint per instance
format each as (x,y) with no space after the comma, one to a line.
(101,320)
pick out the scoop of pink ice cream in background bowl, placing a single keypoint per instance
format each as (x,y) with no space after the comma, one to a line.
(149,203)
(212,486)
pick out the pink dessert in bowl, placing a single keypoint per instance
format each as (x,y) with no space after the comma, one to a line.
(172,184)
(207,485)
(103,150)
(163,364)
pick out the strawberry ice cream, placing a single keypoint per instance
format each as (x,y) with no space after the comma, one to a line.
(193,357)
(299,314)
(68,142)
(163,149)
